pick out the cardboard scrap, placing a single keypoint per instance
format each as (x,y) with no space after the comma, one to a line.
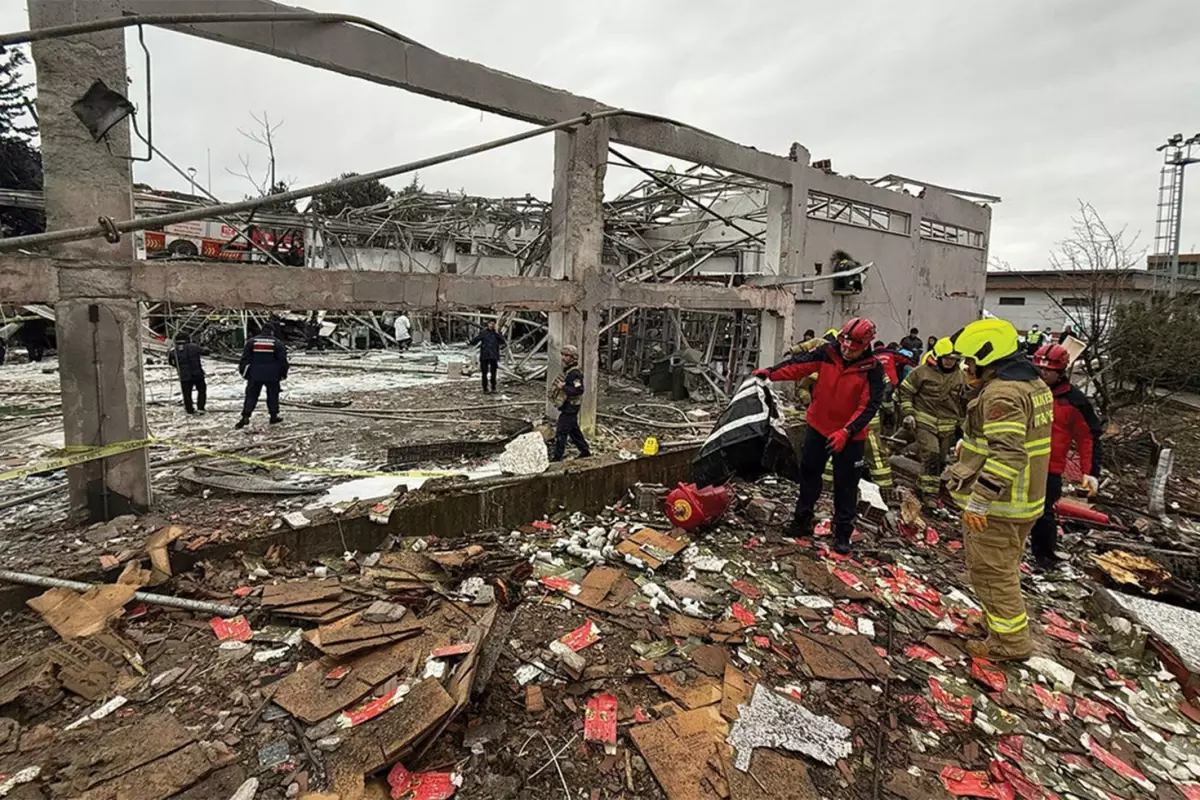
(166,776)
(352,634)
(679,749)
(294,593)
(779,777)
(735,691)
(652,548)
(72,614)
(89,667)
(379,742)
(696,692)
(596,585)
(156,548)
(840,658)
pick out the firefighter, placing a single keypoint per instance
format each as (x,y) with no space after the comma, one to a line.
(811,342)
(932,404)
(846,397)
(264,364)
(999,479)
(567,397)
(185,357)
(1075,422)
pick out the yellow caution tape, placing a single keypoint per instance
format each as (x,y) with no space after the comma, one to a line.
(80,455)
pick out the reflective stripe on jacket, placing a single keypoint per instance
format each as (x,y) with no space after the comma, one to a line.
(936,398)
(1006,444)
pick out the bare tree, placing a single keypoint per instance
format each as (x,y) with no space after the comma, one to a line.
(1095,267)
(263,135)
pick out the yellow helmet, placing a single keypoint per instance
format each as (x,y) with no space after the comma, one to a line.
(831,334)
(943,347)
(986,341)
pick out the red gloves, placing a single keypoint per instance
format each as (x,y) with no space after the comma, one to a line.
(762,372)
(837,441)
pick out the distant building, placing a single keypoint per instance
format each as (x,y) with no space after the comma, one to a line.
(1043,297)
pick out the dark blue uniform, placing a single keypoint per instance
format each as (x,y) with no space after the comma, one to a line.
(185,357)
(490,344)
(568,398)
(264,364)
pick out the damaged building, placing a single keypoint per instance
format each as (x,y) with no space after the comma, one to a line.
(390,591)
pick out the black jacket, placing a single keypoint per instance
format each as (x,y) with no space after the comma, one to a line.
(264,360)
(185,357)
(490,344)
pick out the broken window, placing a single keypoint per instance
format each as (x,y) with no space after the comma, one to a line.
(1012,301)
(952,234)
(849,212)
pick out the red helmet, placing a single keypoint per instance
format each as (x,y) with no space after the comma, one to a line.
(857,332)
(1052,356)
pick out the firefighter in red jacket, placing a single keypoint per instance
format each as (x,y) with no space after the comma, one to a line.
(846,397)
(1075,422)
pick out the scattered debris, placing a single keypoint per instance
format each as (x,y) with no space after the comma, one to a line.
(772,720)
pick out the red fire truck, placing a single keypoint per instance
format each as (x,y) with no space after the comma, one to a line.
(212,239)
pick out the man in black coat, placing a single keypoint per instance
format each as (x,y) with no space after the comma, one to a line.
(264,364)
(567,397)
(185,357)
(490,342)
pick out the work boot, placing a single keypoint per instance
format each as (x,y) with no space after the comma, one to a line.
(276,420)
(841,546)
(243,422)
(1047,563)
(801,527)
(993,649)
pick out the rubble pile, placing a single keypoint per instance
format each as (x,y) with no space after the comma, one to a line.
(600,656)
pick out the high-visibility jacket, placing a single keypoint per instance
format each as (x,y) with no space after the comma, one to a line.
(1034,338)
(936,397)
(1006,444)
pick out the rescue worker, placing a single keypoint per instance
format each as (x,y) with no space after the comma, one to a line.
(312,332)
(1075,422)
(1033,339)
(913,342)
(810,343)
(999,479)
(185,357)
(264,364)
(567,397)
(490,342)
(932,404)
(402,328)
(846,397)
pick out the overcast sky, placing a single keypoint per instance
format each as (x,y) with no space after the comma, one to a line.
(1042,103)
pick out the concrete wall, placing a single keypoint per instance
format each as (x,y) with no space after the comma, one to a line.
(936,286)
(1037,308)
(378,259)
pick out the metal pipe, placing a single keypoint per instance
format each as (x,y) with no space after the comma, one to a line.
(205,212)
(30,579)
(96,26)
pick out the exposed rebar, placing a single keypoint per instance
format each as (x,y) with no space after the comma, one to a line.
(30,579)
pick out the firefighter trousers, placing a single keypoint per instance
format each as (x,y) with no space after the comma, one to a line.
(994,567)
(933,449)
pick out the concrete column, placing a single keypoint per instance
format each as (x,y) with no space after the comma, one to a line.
(576,243)
(98,327)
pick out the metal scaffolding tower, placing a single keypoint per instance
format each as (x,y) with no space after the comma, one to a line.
(1177,154)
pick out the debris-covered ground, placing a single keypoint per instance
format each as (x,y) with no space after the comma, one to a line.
(604,656)
(579,656)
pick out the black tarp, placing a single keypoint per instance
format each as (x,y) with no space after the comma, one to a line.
(747,440)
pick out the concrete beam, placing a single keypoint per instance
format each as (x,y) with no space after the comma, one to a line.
(28,280)
(367,54)
(98,326)
(576,245)
(699,298)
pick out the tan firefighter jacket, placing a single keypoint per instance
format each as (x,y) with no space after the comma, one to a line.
(1006,444)
(937,399)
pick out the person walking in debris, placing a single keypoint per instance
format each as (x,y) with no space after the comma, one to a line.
(185,357)
(999,479)
(312,332)
(490,342)
(932,404)
(1075,423)
(567,397)
(264,364)
(913,342)
(403,331)
(846,397)
(33,336)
